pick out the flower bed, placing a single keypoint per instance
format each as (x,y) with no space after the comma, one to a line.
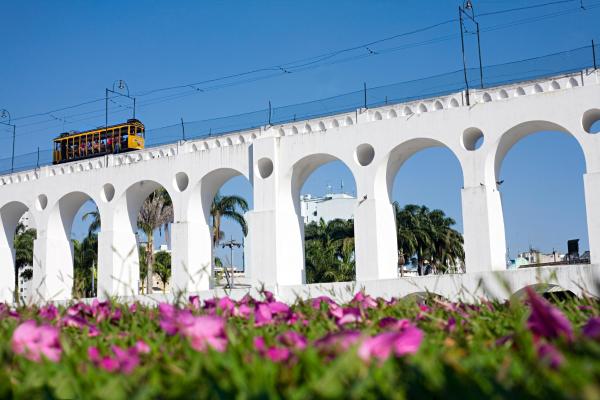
(369,348)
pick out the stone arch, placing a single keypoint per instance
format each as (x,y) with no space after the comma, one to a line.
(10,214)
(229,141)
(509,138)
(377,116)
(392,114)
(537,88)
(294,130)
(307,128)
(502,94)
(121,265)
(281,132)
(407,111)
(197,211)
(511,210)
(546,290)
(438,105)
(396,157)
(348,121)
(486,97)
(335,123)
(322,126)
(391,180)
(554,85)
(520,92)
(57,271)
(241,139)
(422,108)
(300,171)
(454,103)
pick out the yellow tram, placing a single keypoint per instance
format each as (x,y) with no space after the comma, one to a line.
(118,138)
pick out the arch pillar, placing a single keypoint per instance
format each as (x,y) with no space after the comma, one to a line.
(118,263)
(192,253)
(9,218)
(52,267)
(275,252)
(591,185)
(483,225)
(375,242)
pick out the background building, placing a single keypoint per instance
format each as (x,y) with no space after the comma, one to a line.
(327,207)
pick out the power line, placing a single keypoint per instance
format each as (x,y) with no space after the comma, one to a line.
(310,63)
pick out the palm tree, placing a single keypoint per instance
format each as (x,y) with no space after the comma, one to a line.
(429,235)
(156,213)
(23,244)
(95,224)
(329,251)
(162,268)
(232,207)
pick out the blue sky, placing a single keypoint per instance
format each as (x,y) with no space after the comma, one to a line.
(61,53)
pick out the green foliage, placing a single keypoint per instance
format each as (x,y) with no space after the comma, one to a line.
(474,360)
(23,245)
(85,260)
(429,235)
(329,251)
(162,267)
(231,207)
(156,213)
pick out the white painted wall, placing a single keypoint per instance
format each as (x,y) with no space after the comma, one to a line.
(277,160)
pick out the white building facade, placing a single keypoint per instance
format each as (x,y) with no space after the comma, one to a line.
(328,207)
(277,160)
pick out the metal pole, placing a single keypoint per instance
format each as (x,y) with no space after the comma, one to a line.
(106,112)
(12,162)
(38,157)
(594,53)
(479,51)
(462,46)
(365,93)
(270,110)
(182,128)
(134,108)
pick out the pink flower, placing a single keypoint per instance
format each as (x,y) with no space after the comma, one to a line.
(550,355)
(206,331)
(316,302)
(243,311)
(226,305)
(364,300)
(393,323)
(259,343)
(278,308)
(351,315)
(172,319)
(382,345)
(292,339)
(263,315)
(277,354)
(124,360)
(592,328)
(49,312)
(133,308)
(142,347)
(339,341)
(546,320)
(35,341)
(195,302)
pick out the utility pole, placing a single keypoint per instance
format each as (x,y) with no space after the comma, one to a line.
(231,244)
(117,86)
(4,114)
(463,12)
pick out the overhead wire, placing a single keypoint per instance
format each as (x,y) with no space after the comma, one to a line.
(303,64)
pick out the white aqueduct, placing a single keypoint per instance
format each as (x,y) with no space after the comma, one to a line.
(372,143)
